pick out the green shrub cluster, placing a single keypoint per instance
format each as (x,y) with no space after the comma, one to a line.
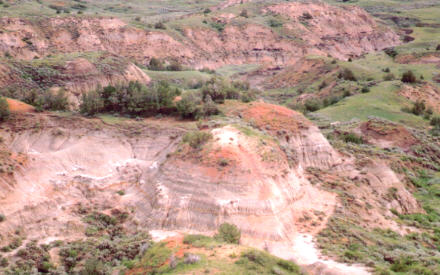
(409,77)
(347,74)
(352,138)
(228,233)
(4,115)
(133,99)
(274,23)
(202,103)
(260,262)
(157,64)
(419,109)
(196,139)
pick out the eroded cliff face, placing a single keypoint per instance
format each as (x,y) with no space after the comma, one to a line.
(268,171)
(338,31)
(330,30)
(76,75)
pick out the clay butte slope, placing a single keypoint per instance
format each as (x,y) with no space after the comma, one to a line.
(76,74)
(253,173)
(332,30)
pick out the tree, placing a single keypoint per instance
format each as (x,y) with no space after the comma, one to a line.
(4,109)
(91,103)
(347,74)
(409,77)
(155,64)
(187,107)
(228,233)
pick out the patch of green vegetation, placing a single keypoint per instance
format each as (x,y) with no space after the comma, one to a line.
(4,115)
(259,262)
(197,240)
(197,139)
(382,101)
(384,250)
(155,258)
(184,79)
(228,233)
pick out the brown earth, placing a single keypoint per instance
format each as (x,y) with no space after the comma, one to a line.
(426,92)
(426,58)
(388,135)
(76,75)
(339,31)
(16,106)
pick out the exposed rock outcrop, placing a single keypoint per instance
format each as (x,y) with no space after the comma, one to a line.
(331,30)
(267,174)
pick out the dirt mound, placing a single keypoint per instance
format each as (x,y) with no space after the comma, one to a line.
(424,58)
(274,117)
(426,92)
(305,71)
(301,140)
(16,106)
(387,135)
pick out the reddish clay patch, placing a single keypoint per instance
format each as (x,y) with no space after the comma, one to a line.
(274,118)
(386,134)
(16,106)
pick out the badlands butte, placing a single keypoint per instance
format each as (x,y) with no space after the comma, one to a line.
(219,137)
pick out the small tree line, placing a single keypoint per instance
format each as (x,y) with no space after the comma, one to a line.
(136,99)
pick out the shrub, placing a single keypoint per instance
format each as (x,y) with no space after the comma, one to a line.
(217,89)
(352,138)
(196,139)
(4,110)
(322,85)
(220,27)
(3,262)
(160,26)
(195,238)
(312,105)
(438,47)
(209,107)
(418,108)
(365,90)
(391,52)
(94,266)
(306,16)
(2,217)
(275,23)
(347,74)
(388,77)
(155,64)
(207,10)
(156,257)
(409,77)
(174,66)
(53,101)
(91,103)
(244,13)
(187,107)
(228,233)
(435,121)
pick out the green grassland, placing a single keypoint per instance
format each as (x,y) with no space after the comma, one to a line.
(382,101)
